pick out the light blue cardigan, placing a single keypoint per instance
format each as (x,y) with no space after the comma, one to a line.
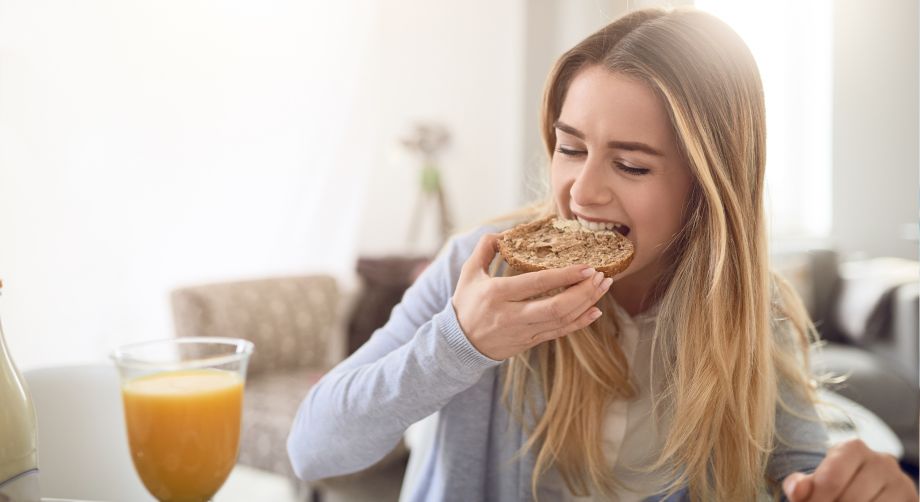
(420,362)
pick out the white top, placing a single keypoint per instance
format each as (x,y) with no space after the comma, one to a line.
(630,429)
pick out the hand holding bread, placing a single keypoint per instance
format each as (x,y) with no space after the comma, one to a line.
(503,316)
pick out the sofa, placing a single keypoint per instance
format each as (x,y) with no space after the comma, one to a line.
(867,315)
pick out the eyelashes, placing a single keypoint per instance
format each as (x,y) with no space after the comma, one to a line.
(568,153)
(636,171)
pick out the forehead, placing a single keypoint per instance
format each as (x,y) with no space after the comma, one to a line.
(611,106)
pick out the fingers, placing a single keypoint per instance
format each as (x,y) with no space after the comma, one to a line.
(904,490)
(526,286)
(482,255)
(869,481)
(582,321)
(563,308)
(879,478)
(835,473)
(851,472)
(797,487)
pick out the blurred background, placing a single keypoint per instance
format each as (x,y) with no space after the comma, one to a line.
(146,146)
(281,170)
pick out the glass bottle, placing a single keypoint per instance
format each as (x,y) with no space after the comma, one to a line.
(18,433)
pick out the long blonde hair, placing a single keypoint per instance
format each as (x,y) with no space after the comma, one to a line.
(729,332)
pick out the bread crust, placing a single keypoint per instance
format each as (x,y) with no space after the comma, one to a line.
(563,244)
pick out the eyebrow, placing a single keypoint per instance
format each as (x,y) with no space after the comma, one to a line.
(621,145)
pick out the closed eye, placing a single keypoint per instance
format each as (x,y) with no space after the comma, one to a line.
(569,153)
(638,171)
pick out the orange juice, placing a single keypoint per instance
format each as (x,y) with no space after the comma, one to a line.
(184,430)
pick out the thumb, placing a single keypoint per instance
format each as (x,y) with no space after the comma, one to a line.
(797,486)
(485,252)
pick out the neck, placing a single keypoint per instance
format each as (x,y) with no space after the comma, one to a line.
(633,304)
(635,292)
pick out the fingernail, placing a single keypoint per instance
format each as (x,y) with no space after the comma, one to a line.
(595,314)
(606,284)
(587,272)
(598,277)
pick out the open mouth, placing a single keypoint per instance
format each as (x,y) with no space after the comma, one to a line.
(604,225)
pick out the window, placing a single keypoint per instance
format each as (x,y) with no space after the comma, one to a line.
(791,42)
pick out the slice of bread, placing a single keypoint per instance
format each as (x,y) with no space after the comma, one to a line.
(555,243)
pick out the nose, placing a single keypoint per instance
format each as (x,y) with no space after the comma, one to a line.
(592,185)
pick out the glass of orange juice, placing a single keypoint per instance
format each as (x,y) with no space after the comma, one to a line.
(183,401)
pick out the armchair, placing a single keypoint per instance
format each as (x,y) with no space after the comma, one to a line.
(296,325)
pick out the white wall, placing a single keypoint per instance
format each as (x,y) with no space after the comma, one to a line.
(876,133)
(458,63)
(147,145)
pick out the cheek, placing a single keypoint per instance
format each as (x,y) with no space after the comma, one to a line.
(666,216)
(560,184)
(656,215)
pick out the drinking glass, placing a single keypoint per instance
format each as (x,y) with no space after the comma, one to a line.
(183,401)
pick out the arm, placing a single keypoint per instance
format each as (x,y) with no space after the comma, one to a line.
(422,358)
(409,369)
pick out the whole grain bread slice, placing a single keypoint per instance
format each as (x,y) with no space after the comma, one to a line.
(555,243)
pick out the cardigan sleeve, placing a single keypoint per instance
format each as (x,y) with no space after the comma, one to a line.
(407,370)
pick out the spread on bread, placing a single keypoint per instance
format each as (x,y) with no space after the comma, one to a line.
(554,243)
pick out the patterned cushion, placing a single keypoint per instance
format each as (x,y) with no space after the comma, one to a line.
(290,320)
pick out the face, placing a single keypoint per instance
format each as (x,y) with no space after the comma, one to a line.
(616,160)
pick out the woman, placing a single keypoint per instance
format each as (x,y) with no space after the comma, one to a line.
(687,377)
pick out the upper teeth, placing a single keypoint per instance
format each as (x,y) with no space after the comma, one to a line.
(597,225)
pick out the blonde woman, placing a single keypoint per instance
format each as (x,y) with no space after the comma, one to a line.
(685,377)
